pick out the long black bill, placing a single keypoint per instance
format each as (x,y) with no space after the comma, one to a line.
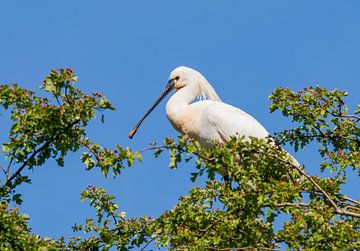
(169,87)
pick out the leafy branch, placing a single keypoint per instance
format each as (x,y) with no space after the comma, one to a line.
(33,155)
(240,213)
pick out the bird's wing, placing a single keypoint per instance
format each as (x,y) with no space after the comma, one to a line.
(242,123)
(231,121)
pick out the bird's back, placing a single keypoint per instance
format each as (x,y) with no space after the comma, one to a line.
(218,121)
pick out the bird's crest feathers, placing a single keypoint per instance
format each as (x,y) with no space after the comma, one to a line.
(206,91)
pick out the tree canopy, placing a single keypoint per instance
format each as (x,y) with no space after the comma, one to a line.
(268,203)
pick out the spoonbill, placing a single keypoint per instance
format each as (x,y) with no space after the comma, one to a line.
(209,118)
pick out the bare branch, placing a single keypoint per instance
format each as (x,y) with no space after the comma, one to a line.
(2,169)
(8,168)
(151,148)
(357,118)
(152,239)
(348,205)
(350,116)
(346,212)
(242,248)
(350,199)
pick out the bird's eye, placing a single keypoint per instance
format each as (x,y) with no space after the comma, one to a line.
(175,80)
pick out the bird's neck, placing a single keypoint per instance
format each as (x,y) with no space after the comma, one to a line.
(179,101)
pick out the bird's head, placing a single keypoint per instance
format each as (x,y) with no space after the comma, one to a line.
(184,76)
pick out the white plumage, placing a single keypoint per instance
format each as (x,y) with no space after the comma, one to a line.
(195,109)
(209,119)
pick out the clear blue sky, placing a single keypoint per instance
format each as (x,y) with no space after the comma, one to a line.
(126,49)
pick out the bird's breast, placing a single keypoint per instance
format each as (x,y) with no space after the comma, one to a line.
(190,121)
(184,122)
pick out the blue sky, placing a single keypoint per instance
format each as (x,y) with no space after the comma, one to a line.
(126,49)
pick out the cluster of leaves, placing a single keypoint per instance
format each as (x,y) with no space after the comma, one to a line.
(112,227)
(323,117)
(15,234)
(264,185)
(268,200)
(50,127)
(45,127)
(105,158)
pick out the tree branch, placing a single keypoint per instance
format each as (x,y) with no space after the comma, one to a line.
(347,204)
(326,195)
(26,162)
(350,199)
(152,239)
(338,210)
(46,144)
(2,169)
(289,204)
(8,168)
(151,148)
(350,116)
(242,248)
(110,213)
(93,152)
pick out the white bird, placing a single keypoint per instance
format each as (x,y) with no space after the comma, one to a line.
(196,110)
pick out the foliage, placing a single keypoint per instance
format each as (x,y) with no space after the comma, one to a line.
(323,117)
(49,127)
(267,202)
(15,234)
(111,225)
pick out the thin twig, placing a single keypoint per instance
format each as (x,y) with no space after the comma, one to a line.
(203,157)
(346,212)
(112,215)
(312,136)
(322,134)
(316,185)
(151,148)
(57,100)
(8,168)
(66,96)
(152,239)
(242,248)
(93,152)
(350,199)
(347,204)
(319,130)
(288,204)
(352,207)
(2,169)
(351,116)
(337,199)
